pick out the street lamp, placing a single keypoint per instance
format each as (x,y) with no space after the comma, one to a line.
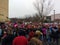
(54,15)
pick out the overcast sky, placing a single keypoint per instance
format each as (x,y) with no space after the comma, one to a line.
(22,8)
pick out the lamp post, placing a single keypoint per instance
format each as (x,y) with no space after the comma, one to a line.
(54,15)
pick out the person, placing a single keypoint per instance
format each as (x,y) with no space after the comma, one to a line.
(8,38)
(44,31)
(54,30)
(0,33)
(58,36)
(35,40)
(31,34)
(20,39)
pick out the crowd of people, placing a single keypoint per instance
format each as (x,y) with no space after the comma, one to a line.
(29,34)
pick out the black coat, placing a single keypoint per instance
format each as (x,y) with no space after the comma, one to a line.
(8,40)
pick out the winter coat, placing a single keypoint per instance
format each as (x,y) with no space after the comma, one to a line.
(8,40)
(31,34)
(44,31)
(35,41)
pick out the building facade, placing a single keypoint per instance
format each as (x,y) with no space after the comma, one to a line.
(3,10)
(55,17)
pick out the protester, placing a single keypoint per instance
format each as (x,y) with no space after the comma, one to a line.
(0,33)
(8,38)
(35,40)
(44,31)
(31,34)
(21,39)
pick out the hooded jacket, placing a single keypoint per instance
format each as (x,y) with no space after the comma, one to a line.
(20,40)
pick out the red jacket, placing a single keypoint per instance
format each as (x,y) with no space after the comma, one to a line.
(31,34)
(20,40)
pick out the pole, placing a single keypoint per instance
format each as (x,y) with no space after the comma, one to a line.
(54,15)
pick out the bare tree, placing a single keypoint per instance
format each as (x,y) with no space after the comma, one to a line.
(43,8)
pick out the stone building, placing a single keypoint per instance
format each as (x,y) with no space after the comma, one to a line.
(3,10)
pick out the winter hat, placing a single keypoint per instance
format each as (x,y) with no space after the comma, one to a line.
(38,32)
(21,32)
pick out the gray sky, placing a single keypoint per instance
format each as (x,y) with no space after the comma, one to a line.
(22,8)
